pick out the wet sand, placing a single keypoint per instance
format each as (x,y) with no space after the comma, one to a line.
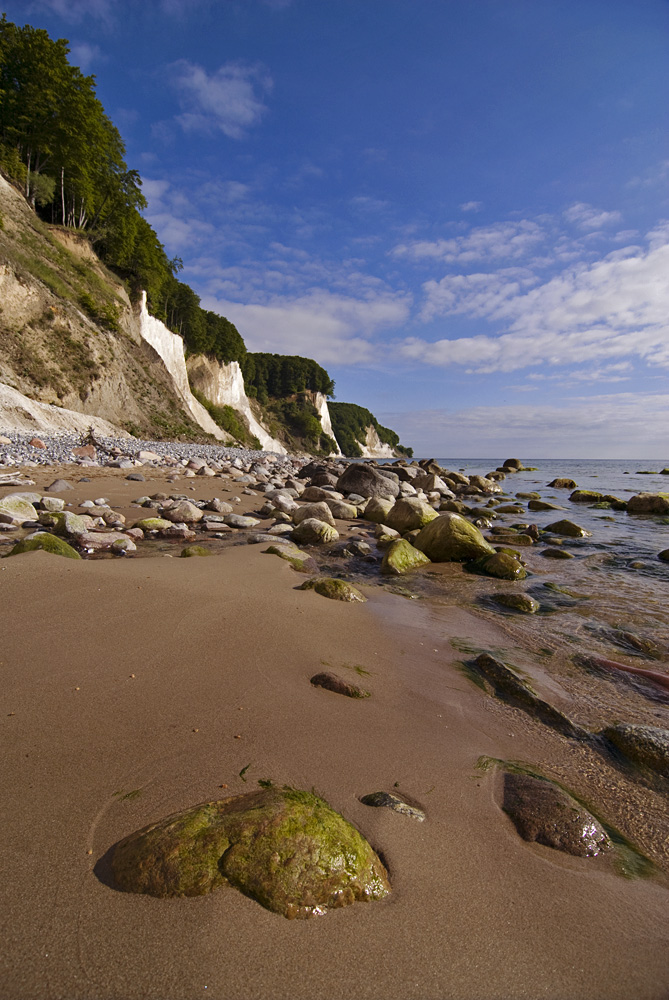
(222,650)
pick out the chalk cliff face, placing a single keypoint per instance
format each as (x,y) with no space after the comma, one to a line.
(170,347)
(223,385)
(373,447)
(321,404)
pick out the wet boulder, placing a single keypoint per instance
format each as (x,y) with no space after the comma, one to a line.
(563,484)
(568,529)
(284,848)
(394,802)
(46,542)
(543,812)
(521,602)
(451,538)
(298,559)
(648,503)
(501,565)
(645,745)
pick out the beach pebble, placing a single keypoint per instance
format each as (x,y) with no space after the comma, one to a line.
(338,685)
(391,801)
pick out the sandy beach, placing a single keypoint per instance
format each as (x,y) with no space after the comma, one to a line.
(133,688)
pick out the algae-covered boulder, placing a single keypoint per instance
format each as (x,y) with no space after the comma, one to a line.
(645,745)
(336,590)
(563,484)
(552,553)
(648,503)
(410,513)
(312,531)
(67,524)
(586,496)
(543,812)
(451,538)
(377,509)
(344,511)
(401,557)
(15,509)
(542,505)
(524,603)
(568,529)
(285,848)
(501,565)
(298,559)
(195,550)
(46,542)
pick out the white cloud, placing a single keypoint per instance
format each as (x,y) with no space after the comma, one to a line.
(471,206)
(588,218)
(75,10)
(614,308)
(617,425)
(502,241)
(331,328)
(229,100)
(84,55)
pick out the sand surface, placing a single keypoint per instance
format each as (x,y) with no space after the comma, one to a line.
(222,650)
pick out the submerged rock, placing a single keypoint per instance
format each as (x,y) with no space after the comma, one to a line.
(451,538)
(567,528)
(285,848)
(507,684)
(501,565)
(47,543)
(391,801)
(331,682)
(401,557)
(336,590)
(645,745)
(518,602)
(551,553)
(543,812)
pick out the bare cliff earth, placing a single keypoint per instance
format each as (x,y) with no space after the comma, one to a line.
(75,353)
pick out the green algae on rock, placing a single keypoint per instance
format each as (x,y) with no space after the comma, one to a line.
(543,812)
(401,557)
(45,542)
(153,524)
(517,602)
(409,513)
(285,848)
(15,509)
(567,528)
(195,550)
(500,565)
(336,590)
(451,538)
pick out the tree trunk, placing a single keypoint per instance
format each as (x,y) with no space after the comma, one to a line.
(62,190)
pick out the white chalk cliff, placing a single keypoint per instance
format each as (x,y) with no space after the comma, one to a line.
(223,385)
(321,404)
(373,447)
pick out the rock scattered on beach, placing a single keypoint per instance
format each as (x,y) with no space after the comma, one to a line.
(336,590)
(401,557)
(543,812)
(518,602)
(394,802)
(451,538)
(332,682)
(285,848)
(46,542)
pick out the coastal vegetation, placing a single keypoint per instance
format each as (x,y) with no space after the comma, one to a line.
(350,423)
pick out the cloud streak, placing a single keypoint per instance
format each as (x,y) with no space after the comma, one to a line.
(229,100)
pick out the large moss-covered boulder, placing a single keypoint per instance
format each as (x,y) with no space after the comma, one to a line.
(543,812)
(648,503)
(401,557)
(451,538)
(645,745)
(285,848)
(313,531)
(409,513)
(45,542)
(299,560)
(15,510)
(367,482)
(336,590)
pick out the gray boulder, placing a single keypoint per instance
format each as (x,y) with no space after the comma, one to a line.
(367,482)
(543,812)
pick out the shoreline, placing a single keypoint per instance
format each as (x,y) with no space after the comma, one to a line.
(93,754)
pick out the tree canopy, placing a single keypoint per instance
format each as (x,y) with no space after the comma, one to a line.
(275,376)
(350,422)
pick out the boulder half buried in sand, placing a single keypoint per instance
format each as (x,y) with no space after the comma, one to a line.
(285,848)
(336,590)
(543,812)
(47,543)
(645,745)
(332,682)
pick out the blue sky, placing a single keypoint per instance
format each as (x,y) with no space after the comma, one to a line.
(458,207)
